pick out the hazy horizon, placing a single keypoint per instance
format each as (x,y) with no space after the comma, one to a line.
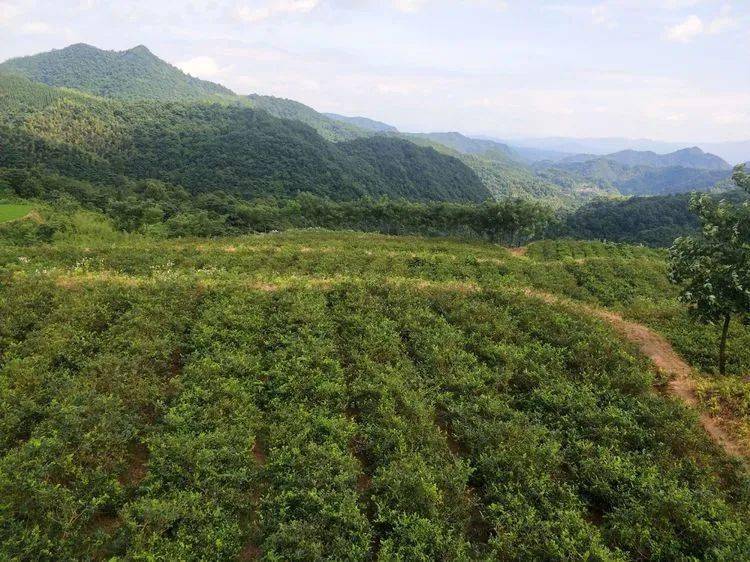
(576,69)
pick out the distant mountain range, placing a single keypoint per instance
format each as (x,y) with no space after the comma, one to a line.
(687,158)
(734,152)
(643,172)
(295,148)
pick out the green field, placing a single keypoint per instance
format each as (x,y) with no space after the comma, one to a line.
(313,395)
(9,212)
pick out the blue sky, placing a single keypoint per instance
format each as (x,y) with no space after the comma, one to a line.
(663,69)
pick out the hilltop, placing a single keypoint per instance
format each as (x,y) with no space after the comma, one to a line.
(130,75)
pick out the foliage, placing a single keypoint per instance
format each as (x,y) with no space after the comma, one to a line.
(363,123)
(713,269)
(654,221)
(163,209)
(137,74)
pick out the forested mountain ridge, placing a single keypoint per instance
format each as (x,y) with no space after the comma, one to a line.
(468,145)
(330,129)
(364,123)
(206,147)
(133,74)
(137,74)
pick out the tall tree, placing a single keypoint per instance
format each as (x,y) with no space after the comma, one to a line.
(713,268)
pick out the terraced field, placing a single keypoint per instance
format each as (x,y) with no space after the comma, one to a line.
(312,395)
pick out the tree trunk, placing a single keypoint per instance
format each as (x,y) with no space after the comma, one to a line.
(723,346)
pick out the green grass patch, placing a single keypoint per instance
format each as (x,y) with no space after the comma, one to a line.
(12,211)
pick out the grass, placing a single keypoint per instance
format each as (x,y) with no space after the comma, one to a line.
(312,395)
(11,211)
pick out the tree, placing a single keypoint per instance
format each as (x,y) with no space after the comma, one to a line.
(713,268)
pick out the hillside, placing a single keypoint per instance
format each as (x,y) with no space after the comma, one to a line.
(330,129)
(342,396)
(364,123)
(487,149)
(503,174)
(207,147)
(135,74)
(734,152)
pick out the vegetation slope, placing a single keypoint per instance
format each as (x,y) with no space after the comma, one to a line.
(204,147)
(315,395)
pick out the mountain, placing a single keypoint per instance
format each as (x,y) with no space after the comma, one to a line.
(363,123)
(133,74)
(687,158)
(208,147)
(137,74)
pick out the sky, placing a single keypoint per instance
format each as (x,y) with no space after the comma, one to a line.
(673,70)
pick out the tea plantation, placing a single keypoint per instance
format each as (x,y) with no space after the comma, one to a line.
(314,395)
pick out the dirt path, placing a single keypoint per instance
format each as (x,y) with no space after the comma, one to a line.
(658,349)
(519,251)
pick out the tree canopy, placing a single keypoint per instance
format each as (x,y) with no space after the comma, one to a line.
(713,268)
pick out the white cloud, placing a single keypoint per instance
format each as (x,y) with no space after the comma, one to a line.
(723,22)
(8,12)
(409,6)
(202,66)
(693,26)
(686,31)
(601,15)
(36,28)
(275,8)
